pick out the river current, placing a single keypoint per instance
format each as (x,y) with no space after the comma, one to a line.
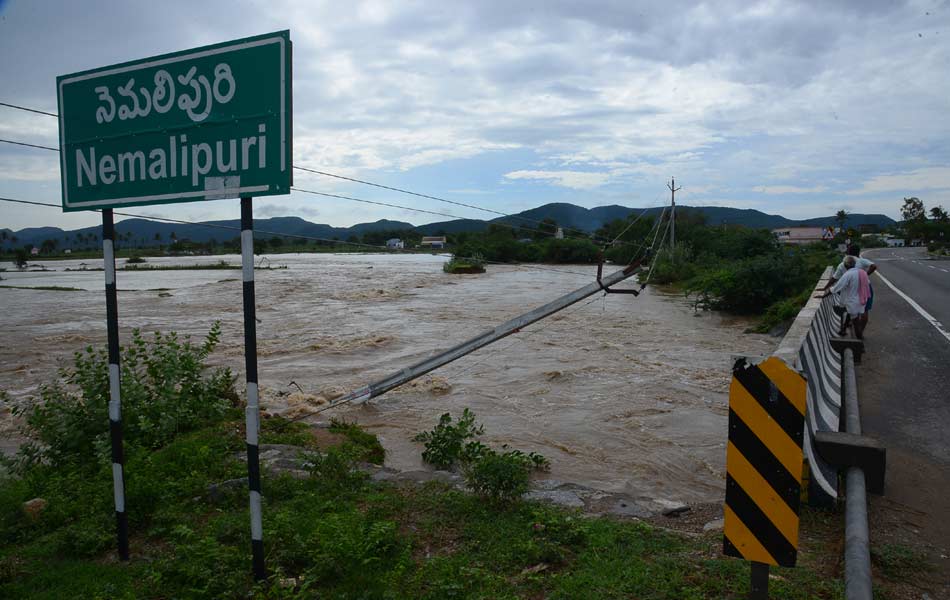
(621,393)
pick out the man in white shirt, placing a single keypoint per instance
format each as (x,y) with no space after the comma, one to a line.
(848,289)
(868,266)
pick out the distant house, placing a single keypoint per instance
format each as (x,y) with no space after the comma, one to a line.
(800,235)
(433,241)
(893,242)
(559,234)
(67,251)
(395,244)
(35,251)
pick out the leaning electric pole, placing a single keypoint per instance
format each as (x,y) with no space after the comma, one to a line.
(673,190)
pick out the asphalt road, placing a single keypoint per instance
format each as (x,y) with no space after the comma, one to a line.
(904,393)
(925,280)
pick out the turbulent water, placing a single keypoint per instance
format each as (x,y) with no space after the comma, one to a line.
(621,393)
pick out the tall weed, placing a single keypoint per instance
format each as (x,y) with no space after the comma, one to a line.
(165,391)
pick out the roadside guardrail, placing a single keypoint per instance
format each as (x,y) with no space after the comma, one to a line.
(834,446)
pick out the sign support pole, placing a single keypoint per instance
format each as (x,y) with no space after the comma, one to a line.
(252,411)
(760,581)
(115,405)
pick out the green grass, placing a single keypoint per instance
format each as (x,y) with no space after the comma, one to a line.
(340,535)
(367,444)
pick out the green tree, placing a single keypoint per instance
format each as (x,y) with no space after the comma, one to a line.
(913,210)
(20,258)
(841,217)
(937,213)
(546,229)
(49,246)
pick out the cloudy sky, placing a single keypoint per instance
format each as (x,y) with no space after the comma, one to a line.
(793,108)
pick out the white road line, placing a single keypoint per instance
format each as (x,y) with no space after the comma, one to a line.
(930,318)
(945,271)
(932,267)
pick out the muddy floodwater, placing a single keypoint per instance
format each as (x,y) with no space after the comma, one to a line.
(621,393)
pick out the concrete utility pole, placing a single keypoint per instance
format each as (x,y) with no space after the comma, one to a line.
(492,335)
(673,190)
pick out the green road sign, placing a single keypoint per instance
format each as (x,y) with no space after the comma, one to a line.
(203,124)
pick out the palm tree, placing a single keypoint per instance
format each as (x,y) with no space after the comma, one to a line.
(841,217)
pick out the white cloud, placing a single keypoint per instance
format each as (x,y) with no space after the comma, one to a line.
(577,180)
(590,97)
(789,189)
(910,183)
(29,168)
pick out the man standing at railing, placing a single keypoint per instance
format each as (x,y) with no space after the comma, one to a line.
(854,290)
(868,267)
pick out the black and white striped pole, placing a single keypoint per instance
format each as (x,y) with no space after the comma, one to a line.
(252,412)
(115,404)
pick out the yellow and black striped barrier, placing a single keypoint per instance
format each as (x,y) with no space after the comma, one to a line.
(764,462)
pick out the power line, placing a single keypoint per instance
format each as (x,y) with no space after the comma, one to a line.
(411,193)
(32,110)
(342,197)
(399,190)
(30,145)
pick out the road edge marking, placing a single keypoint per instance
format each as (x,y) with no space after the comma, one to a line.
(930,318)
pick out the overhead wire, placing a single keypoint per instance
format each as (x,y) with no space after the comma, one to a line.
(15,143)
(32,110)
(349,198)
(641,247)
(586,234)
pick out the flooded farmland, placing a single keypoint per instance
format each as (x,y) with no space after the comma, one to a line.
(621,393)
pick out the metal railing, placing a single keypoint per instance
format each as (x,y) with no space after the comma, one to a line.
(861,459)
(857,549)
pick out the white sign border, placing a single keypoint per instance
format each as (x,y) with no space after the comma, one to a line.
(277,39)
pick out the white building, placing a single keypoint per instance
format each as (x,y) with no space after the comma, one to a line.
(395,244)
(433,241)
(801,235)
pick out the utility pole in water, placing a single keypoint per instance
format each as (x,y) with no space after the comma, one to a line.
(673,190)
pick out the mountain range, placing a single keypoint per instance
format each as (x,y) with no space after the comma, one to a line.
(566,215)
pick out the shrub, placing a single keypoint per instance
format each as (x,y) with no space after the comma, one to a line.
(365,444)
(336,467)
(164,392)
(498,476)
(444,444)
(669,266)
(459,264)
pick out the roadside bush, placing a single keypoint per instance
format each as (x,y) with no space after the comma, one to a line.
(164,392)
(366,444)
(499,476)
(444,445)
(782,311)
(336,467)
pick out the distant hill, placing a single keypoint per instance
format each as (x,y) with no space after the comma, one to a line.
(146,232)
